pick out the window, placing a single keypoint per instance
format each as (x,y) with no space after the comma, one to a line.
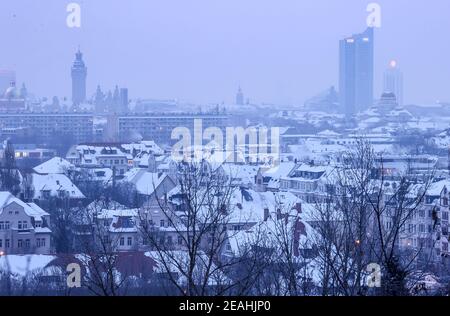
(40,242)
(122,241)
(7,243)
(169,240)
(2,225)
(20,243)
(129,241)
(27,243)
(22,225)
(421,228)
(161,223)
(180,240)
(1,243)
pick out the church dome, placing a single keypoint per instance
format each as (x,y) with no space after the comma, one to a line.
(12,93)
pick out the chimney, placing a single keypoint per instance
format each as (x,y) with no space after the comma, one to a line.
(266,214)
(279,215)
(298,208)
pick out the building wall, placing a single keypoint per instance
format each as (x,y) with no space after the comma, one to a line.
(46,125)
(159,128)
(10,238)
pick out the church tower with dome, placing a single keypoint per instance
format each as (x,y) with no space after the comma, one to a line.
(79,75)
(12,101)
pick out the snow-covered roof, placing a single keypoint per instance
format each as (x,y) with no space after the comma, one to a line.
(241,174)
(31,209)
(147,146)
(55,183)
(328,133)
(248,205)
(276,173)
(436,188)
(267,234)
(146,182)
(23,265)
(54,165)
(117,225)
(109,214)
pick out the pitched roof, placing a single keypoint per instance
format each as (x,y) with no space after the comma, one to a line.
(55,183)
(54,165)
(31,209)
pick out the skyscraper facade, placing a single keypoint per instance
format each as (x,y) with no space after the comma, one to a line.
(356,54)
(393,81)
(124,100)
(79,74)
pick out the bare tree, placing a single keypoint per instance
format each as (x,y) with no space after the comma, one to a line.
(192,233)
(361,223)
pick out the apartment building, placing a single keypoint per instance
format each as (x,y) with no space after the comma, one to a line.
(46,125)
(159,127)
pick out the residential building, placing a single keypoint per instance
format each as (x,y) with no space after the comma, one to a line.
(24,227)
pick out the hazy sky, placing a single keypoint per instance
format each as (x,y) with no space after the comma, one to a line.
(280,51)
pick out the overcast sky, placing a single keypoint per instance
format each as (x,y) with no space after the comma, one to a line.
(280,51)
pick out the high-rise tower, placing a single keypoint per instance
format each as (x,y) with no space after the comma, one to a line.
(79,74)
(240,97)
(393,81)
(356,72)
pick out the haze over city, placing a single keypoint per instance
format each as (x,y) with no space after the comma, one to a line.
(201,51)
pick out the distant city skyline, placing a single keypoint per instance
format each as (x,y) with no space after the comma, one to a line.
(281,53)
